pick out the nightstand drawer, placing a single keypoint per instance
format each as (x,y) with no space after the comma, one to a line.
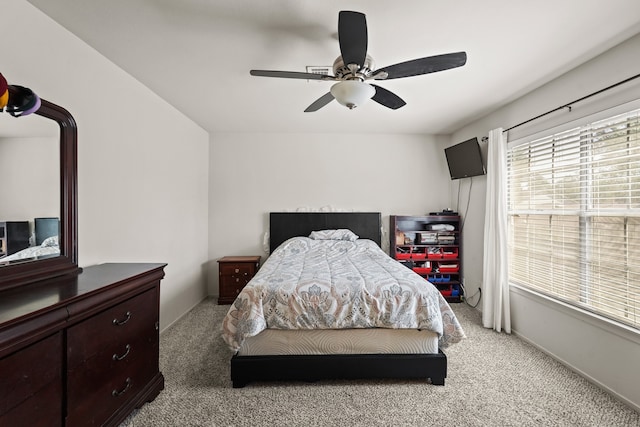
(238,270)
(234,273)
(231,288)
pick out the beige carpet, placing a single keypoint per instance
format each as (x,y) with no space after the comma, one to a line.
(493,380)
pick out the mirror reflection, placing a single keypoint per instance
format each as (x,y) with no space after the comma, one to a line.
(29,189)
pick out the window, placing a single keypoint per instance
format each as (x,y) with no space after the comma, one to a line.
(574,216)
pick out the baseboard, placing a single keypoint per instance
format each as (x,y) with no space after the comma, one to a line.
(184,314)
(579,372)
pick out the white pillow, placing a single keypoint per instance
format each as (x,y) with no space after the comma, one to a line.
(50,241)
(339,234)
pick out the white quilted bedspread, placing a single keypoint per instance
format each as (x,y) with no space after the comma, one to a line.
(337,284)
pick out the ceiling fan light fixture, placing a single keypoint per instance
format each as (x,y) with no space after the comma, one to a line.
(352,93)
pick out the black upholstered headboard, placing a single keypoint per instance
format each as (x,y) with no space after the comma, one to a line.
(285,225)
(46,227)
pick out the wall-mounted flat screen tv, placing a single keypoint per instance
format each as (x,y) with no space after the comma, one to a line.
(464,159)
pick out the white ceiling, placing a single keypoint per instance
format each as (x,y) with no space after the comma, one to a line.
(196,54)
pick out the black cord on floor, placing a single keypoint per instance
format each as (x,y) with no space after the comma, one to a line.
(466,300)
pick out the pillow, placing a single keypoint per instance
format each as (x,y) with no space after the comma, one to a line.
(50,241)
(339,234)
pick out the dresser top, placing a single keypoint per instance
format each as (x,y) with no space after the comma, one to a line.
(52,293)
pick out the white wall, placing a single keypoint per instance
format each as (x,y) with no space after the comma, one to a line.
(254,174)
(606,354)
(143,166)
(34,190)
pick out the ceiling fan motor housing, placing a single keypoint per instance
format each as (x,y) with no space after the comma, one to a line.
(342,71)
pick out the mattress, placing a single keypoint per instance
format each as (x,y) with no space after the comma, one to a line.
(344,341)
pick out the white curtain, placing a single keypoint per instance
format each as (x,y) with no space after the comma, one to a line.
(495,277)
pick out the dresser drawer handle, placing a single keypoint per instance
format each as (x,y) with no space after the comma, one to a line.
(116,393)
(126,353)
(122,322)
(237,270)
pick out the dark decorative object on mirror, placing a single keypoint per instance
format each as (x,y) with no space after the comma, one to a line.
(24,273)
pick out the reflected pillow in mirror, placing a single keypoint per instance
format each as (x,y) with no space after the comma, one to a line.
(50,241)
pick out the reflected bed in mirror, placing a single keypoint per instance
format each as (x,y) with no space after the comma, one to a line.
(30,196)
(38,184)
(16,246)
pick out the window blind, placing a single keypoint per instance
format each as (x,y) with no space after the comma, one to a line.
(574,216)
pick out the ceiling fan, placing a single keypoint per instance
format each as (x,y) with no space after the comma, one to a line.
(354,68)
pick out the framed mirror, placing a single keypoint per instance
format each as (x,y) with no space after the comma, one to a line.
(63,178)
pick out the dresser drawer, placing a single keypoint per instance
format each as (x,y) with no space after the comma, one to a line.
(107,333)
(31,390)
(98,389)
(112,356)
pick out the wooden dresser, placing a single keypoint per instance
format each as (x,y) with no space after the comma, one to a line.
(80,350)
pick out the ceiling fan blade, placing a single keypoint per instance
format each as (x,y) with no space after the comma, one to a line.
(430,64)
(291,75)
(352,35)
(387,98)
(320,102)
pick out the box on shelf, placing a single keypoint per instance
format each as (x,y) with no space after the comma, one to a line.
(446,292)
(448,268)
(446,238)
(439,278)
(434,253)
(449,253)
(427,238)
(422,268)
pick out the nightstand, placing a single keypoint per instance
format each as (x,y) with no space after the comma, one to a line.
(234,273)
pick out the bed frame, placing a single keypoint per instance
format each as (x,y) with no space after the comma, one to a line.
(246,369)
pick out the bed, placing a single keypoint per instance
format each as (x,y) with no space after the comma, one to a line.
(48,248)
(46,231)
(356,314)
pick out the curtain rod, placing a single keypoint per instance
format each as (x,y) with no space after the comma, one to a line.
(573,102)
